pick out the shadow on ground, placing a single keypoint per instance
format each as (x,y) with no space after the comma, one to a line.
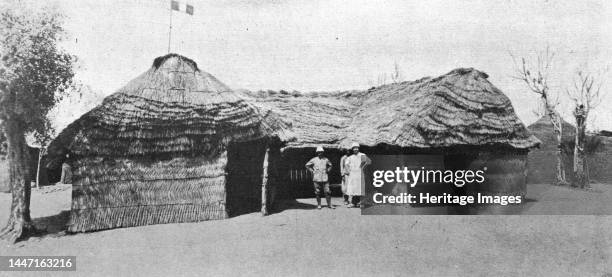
(50,226)
(292,204)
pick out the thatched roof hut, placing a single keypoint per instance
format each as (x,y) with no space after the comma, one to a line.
(460,117)
(165,148)
(542,161)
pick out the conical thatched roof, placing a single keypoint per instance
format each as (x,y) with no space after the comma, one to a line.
(542,161)
(543,130)
(172,108)
(460,108)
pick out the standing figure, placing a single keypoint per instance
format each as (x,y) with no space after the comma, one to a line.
(344,172)
(356,179)
(66,176)
(319,166)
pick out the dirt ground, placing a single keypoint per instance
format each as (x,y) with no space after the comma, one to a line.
(303,241)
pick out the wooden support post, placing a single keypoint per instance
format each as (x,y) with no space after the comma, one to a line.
(264,184)
(40,155)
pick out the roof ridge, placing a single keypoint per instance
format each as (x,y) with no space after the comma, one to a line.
(159,61)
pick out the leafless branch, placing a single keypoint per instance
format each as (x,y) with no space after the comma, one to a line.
(586,90)
(535,76)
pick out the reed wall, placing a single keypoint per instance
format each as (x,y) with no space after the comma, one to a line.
(128,192)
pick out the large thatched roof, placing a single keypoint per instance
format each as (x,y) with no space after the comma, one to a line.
(460,108)
(171,109)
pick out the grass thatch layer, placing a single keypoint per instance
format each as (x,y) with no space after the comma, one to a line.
(172,109)
(315,121)
(92,171)
(459,108)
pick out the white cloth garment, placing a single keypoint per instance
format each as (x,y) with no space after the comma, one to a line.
(355,179)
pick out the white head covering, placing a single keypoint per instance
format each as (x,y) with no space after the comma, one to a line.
(319,149)
(354,144)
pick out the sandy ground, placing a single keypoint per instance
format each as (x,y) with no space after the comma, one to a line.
(302,241)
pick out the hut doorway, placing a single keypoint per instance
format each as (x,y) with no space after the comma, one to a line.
(244,177)
(297,180)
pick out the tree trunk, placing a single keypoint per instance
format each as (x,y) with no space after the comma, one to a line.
(19,223)
(561,176)
(557,124)
(264,184)
(580,162)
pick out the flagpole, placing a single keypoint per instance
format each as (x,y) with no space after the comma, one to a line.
(170,31)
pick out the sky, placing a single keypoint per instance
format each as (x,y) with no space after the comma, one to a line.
(339,45)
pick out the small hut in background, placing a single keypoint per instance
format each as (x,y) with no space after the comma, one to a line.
(173,145)
(542,161)
(456,121)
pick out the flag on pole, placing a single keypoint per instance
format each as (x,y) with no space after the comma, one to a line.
(189,9)
(181,7)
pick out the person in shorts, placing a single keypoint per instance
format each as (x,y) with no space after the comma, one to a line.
(320,166)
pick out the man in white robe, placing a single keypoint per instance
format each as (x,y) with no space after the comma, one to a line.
(356,179)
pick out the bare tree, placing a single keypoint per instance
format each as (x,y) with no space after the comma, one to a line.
(586,94)
(396,76)
(536,77)
(382,79)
